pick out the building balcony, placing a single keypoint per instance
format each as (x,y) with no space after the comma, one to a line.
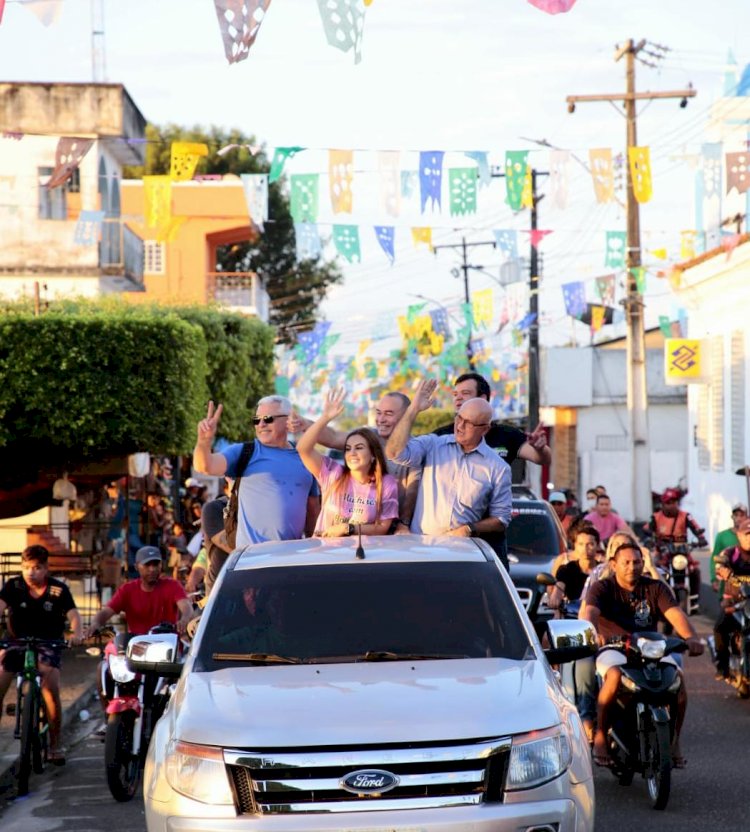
(241,292)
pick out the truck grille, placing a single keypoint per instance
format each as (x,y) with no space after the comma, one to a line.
(430,776)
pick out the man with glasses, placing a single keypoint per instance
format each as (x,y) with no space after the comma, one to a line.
(465,486)
(278,497)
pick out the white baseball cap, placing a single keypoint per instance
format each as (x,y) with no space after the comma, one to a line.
(557,497)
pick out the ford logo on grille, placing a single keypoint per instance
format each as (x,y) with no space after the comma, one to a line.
(370,781)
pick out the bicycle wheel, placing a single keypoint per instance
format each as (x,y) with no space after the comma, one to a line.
(29,724)
(41,738)
(123,767)
(659,764)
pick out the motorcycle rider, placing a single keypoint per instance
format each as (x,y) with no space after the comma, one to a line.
(726,538)
(670,525)
(626,603)
(733,561)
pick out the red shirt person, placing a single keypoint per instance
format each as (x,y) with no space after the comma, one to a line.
(150,599)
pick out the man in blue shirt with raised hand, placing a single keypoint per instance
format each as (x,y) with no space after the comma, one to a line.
(465,488)
(278,498)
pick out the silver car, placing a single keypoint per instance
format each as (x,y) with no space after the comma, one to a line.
(400,686)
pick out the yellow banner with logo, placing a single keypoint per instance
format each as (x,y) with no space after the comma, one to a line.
(686,361)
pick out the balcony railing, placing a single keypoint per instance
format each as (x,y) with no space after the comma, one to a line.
(120,250)
(240,291)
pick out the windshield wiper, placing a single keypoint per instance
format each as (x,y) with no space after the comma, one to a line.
(388,656)
(268,658)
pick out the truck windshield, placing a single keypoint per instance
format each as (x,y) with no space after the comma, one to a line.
(362,612)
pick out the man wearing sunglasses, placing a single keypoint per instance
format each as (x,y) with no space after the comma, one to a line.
(278,497)
(465,486)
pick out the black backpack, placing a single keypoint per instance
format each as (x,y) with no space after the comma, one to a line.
(232,509)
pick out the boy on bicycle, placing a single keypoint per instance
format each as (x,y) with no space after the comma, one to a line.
(39,606)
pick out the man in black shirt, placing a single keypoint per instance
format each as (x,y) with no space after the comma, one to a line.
(39,606)
(629,603)
(509,442)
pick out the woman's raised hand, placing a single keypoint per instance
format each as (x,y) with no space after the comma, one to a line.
(334,403)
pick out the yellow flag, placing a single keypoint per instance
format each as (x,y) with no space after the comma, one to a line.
(687,245)
(602,173)
(157,196)
(659,253)
(404,327)
(422,235)
(436,343)
(640,172)
(482,307)
(527,198)
(185,156)
(597,318)
(340,174)
(168,233)
(362,348)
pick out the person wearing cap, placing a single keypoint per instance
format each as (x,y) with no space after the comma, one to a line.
(559,503)
(733,562)
(725,539)
(148,600)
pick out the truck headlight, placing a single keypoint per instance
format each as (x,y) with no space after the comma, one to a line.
(198,772)
(538,757)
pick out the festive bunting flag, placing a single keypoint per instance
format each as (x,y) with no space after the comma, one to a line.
(157,196)
(659,253)
(307,241)
(386,238)
(536,235)
(482,307)
(553,6)
(640,172)
(574,295)
(515,175)
(88,228)
(711,164)
(737,172)
(463,191)
(255,186)
(2,7)
(340,174)
(526,322)
(409,180)
(47,12)
(440,323)
(665,326)
(559,164)
(304,197)
(346,240)
(638,273)
(239,22)
(616,245)
(413,310)
(422,235)
(343,24)
(329,341)
(483,166)
(280,155)
(687,244)
(597,318)
(729,242)
(390,182)
(527,196)
(602,173)
(184,158)
(168,231)
(605,288)
(507,241)
(69,152)
(430,177)
(252,149)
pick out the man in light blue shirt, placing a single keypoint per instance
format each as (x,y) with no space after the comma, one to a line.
(465,488)
(278,496)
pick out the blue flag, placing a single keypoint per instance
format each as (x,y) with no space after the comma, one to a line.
(574,294)
(308,240)
(430,177)
(386,235)
(507,241)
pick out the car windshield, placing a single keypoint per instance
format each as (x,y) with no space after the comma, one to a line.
(361,613)
(533,532)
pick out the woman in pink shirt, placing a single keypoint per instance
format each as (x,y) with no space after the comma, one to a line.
(359,492)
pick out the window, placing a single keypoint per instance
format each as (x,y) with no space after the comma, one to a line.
(153,257)
(52,203)
(737,401)
(717,403)
(701,428)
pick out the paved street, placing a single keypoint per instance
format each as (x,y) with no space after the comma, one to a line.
(709,794)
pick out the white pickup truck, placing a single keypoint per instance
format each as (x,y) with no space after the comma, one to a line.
(398,687)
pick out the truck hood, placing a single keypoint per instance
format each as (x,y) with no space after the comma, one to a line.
(364,703)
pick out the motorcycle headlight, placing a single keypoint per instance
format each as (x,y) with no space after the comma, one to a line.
(651,649)
(118,667)
(628,683)
(538,757)
(198,772)
(680,563)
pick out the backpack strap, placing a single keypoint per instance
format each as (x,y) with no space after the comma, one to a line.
(242,462)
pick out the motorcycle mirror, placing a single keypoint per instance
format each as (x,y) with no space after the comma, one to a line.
(545,579)
(93,651)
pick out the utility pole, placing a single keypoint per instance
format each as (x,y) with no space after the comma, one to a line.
(533,393)
(465,266)
(636,344)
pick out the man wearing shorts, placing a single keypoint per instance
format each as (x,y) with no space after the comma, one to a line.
(39,606)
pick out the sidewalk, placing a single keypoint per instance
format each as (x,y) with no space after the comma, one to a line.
(78,684)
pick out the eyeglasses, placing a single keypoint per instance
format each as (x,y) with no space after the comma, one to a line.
(461,421)
(267,420)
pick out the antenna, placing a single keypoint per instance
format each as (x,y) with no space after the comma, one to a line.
(360,552)
(98,54)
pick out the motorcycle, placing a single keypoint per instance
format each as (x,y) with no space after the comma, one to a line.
(135,699)
(674,562)
(739,646)
(643,715)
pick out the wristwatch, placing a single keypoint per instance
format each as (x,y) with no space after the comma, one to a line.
(351,531)
(472,529)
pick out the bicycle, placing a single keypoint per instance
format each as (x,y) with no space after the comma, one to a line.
(32,726)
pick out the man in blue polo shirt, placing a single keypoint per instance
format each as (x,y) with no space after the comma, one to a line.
(278,497)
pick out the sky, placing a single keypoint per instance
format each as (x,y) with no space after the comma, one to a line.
(435,75)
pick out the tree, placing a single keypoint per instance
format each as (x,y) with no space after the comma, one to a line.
(296,289)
